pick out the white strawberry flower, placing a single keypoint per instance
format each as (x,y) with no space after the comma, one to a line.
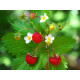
(49,39)
(28,38)
(44,18)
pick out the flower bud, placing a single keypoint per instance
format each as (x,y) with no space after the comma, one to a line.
(52,27)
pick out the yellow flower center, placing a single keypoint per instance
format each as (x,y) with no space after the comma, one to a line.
(29,37)
(48,43)
(43,18)
(52,27)
(49,38)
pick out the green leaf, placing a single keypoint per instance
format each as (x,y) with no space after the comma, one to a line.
(18,46)
(63,44)
(21,64)
(17,63)
(44,60)
(61,66)
(38,27)
(38,64)
(18,25)
(43,55)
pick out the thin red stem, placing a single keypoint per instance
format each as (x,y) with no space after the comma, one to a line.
(38,16)
(34,51)
(47,65)
(26,29)
(48,60)
(57,25)
(53,51)
(32,29)
(48,27)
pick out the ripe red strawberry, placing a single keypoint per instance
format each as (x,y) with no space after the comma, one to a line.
(55,61)
(30,59)
(33,15)
(37,38)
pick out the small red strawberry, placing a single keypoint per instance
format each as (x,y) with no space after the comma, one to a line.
(30,59)
(55,60)
(37,38)
(33,15)
(17,37)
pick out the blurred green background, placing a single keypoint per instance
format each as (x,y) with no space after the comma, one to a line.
(58,16)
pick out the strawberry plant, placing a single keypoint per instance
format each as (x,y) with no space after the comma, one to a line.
(35,44)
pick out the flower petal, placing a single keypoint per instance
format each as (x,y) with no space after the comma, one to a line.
(45,14)
(51,41)
(46,37)
(44,20)
(52,38)
(47,17)
(29,34)
(25,38)
(41,16)
(49,35)
(27,41)
(46,40)
(41,21)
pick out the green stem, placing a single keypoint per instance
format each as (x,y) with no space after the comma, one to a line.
(31,23)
